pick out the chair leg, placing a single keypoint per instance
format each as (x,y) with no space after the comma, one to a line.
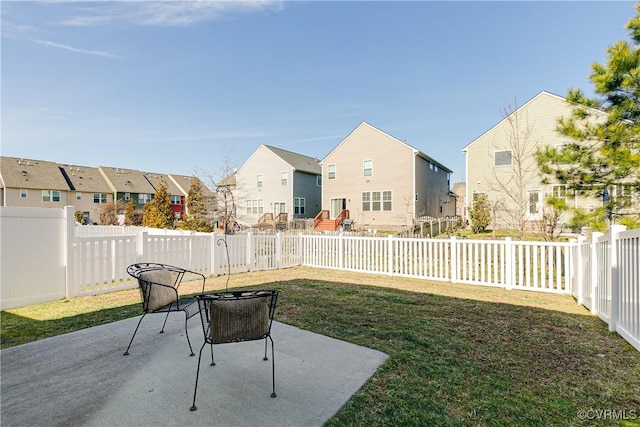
(126,353)
(186,332)
(165,322)
(195,390)
(213,363)
(273,368)
(265,350)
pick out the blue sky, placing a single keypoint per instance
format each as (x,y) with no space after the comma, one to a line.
(186,87)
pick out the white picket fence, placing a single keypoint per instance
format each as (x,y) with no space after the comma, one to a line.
(46,257)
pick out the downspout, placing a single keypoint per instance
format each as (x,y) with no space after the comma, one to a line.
(414,192)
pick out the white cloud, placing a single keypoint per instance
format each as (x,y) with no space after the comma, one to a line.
(165,13)
(77,50)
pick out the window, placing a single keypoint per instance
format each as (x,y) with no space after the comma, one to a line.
(50,196)
(319,181)
(366,201)
(534,200)
(502,158)
(367,166)
(255,207)
(377,201)
(23,193)
(298,205)
(331,171)
(622,194)
(386,201)
(99,197)
(283,177)
(144,198)
(435,168)
(127,197)
(85,218)
(259,181)
(431,166)
(560,192)
(175,200)
(78,196)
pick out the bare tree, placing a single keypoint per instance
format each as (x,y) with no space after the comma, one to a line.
(514,169)
(223,180)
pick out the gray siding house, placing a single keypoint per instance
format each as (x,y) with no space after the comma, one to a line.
(275,181)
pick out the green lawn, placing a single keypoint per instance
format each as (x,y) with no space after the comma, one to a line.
(458,355)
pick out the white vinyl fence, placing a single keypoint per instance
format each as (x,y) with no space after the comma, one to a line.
(46,257)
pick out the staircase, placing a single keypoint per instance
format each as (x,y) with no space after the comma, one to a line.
(322,222)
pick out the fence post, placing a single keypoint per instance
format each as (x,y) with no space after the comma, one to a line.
(142,245)
(300,249)
(614,231)
(453,260)
(341,251)
(70,265)
(390,255)
(595,302)
(278,250)
(579,263)
(510,271)
(214,259)
(249,252)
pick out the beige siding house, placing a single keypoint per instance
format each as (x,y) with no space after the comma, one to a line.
(501,162)
(33,183)
(90,191)
(383,182)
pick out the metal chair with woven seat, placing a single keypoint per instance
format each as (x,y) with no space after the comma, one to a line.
(159,285)
(235,317)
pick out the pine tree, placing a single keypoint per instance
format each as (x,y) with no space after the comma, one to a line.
(605,151)
(157,213)
(480,213)
(196,217)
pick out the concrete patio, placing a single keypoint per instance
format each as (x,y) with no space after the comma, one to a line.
(83,379)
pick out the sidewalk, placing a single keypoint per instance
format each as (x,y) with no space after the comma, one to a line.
(82,378)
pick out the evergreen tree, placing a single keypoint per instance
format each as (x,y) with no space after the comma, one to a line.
(196,217)
(605,131)
(480,213)
(131,215)
(157,213)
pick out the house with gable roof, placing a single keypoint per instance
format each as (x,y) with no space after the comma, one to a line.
(381,182)
(183,183)
(128,184)
(493,159)
(89,191)
(178,196)
(33,183)
(274,182)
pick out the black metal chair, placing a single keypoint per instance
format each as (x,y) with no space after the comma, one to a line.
(159,285)
(235,317)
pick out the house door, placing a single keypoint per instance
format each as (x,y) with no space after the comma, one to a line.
(337,206)
(534,204)
(278,208)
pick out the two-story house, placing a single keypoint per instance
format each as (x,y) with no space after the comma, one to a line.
(275,182)
(89,191)
(33,183)
(178,197)
(501,163)
(128,184)
(383,182)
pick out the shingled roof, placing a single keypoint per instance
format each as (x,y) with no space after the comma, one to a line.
(32,174)
(184,182)
(172,188)
(298,161)
(86,179)
(126,180)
